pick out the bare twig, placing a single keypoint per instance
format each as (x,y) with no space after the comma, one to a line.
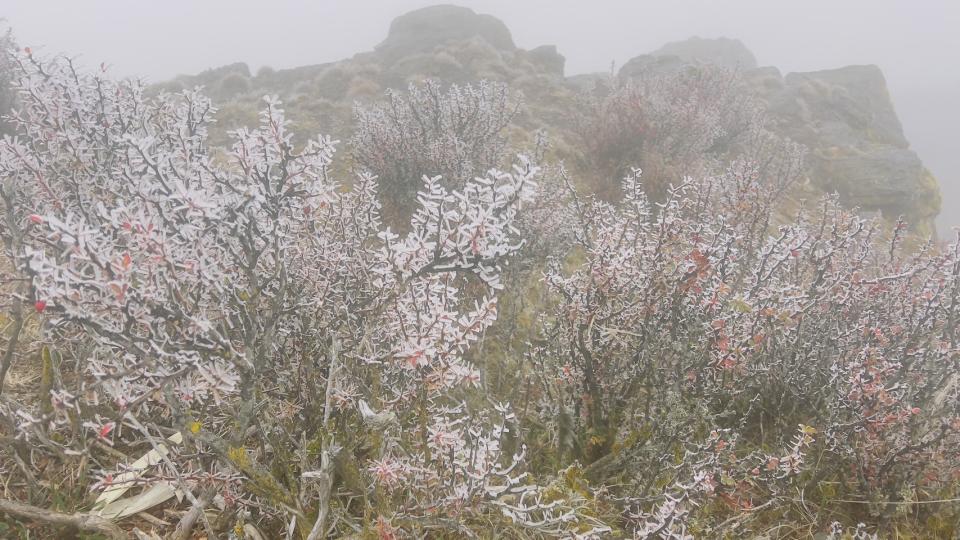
(324,482)
(189,520)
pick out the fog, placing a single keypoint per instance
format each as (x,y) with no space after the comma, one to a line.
(915,43)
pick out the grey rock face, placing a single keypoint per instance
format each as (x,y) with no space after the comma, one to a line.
(649,64)
(726,52)
(547,59)
(857,147)
(844,116)
(849,103)
(673,57)
(421,31)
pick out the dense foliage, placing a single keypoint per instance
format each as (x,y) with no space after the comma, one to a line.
(456,134)
(703,359)
(673,125)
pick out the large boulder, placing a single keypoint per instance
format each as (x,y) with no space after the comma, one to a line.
(649,64)
(857,147)
(844,116)
(457,45)
(726,52)
(423,30)
(847,105)
(547,59)
(675,56)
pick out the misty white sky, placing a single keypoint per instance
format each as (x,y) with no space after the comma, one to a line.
(915,42)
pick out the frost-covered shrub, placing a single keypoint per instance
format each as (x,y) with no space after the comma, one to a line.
(703,315)
(251,304)
(456,133)
(672,126)
(707,359)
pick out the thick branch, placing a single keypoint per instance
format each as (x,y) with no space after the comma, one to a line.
(77,520)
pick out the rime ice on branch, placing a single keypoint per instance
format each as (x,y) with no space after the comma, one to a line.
(188,282)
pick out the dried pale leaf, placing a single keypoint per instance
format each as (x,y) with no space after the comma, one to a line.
(127,480)
(122,508)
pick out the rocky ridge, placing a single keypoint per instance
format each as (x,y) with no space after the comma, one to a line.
(844,116)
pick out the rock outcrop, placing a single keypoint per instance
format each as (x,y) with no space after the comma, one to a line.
(458,45)
(726,52)
(857,146)
(675,56)
(423,30)
(844,117)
